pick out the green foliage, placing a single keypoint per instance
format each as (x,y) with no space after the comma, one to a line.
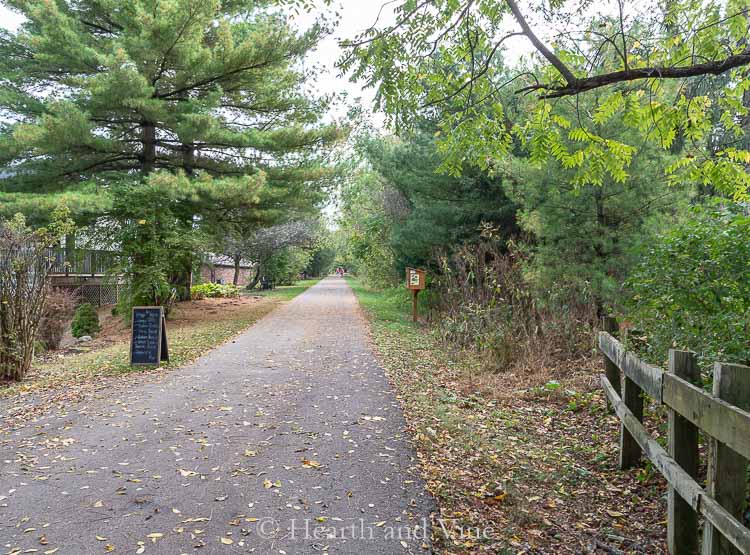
(582,239)
(402,211)
(162,125)
(321,262)
(446,57)
(155,86)
(85,321)
(285,266)
(692,289)
(365,231)
(428,211)
(214,290)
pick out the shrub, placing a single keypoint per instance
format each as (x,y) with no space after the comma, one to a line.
(692,292)
(486,303)
(24,281)
(284,266)
(59,305)
(85,321)
(214,290)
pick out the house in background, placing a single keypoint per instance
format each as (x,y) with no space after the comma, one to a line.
(87,272)
(217,268)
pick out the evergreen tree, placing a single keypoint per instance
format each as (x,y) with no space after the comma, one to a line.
(104,88)
(100,94)
(433,211)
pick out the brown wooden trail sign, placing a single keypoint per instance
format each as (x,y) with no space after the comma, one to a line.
(415,282)
(148,336)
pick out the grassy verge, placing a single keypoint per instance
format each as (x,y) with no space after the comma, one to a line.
(287,292)
(517,469)
(186,343)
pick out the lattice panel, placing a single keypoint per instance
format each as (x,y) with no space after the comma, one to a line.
(97,294)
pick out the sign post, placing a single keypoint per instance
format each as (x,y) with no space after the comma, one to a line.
(148,337)
(415,282)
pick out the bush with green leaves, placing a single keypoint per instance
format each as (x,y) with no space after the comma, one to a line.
(285,266)
(213,290)
(85,321)
(692,289)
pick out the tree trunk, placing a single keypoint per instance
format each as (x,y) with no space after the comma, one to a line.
(236,278)
(188,158)
(256,278)
(148,137)
(182,280)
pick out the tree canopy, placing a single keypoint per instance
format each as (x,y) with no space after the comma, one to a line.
(161,119)
(649,60)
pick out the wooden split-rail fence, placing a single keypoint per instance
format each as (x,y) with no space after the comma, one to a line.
(721,415)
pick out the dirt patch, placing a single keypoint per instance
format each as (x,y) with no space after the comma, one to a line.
(185,314)
(194,327)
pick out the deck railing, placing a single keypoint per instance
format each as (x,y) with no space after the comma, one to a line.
(81,261)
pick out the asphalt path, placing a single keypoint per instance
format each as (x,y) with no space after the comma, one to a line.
(286,440)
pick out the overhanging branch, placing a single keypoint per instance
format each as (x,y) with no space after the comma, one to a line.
(678,72)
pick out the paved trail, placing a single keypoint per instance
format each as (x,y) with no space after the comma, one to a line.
(188,463)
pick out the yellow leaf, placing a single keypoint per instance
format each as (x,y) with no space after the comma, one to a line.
(310,464)
(227,541)
(101,538)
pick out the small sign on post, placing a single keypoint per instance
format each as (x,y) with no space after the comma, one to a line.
(415,281)
(148,337)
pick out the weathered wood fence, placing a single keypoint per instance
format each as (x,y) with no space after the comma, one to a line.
(723,417)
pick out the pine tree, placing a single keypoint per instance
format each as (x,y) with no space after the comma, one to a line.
(102,89)
(101,94)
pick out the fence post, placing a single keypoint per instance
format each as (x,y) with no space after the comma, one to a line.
(630,451)
(727,470)
(609,324)
(682,520)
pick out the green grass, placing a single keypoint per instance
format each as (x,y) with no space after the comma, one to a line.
(390,308)
(288,292)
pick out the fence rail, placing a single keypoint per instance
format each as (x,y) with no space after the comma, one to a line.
(81,261)
(723,416)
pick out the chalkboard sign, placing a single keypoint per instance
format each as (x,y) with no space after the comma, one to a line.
(148,338)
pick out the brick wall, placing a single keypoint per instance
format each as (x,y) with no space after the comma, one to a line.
(225,274)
